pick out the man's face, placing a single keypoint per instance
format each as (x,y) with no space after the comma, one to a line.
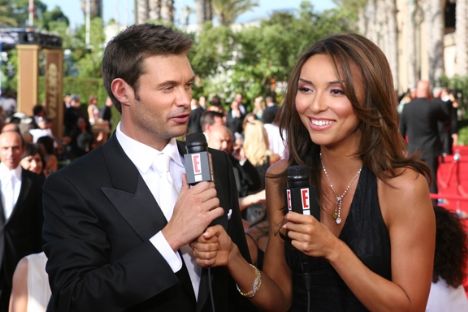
(11,149)
(219,138)
(160,107)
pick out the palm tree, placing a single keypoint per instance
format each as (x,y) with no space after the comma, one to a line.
(229,10)
(204,11)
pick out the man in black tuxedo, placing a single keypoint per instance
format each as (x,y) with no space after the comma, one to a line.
(20,211)
(114,240)
(419,124)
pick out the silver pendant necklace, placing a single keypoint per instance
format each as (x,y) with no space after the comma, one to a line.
(339,198)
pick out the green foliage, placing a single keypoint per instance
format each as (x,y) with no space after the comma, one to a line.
(5,15)
(212,50)
(253,59)
(84,87)
(463,136)
(8,71)
(88,58)
(50,18)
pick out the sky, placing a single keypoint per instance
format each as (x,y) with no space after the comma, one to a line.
(122,10)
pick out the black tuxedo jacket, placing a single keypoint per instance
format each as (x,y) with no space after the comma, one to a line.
(22,231)
(98,218)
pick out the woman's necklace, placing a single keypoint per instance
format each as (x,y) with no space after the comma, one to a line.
(339,198)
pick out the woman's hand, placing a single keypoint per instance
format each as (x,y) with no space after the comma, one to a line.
(309,236)
(212,248)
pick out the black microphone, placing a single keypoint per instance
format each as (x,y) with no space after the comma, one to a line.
(298,197)
(198,168)
(197,161)
(298,190)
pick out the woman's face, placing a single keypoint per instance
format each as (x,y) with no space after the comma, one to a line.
(32,163)
(322,105)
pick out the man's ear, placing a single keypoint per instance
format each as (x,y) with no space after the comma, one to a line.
(122,91)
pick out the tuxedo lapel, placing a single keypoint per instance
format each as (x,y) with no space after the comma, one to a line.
(130,195)
(139,209)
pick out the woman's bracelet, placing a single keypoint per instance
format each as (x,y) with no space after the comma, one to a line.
(255,286)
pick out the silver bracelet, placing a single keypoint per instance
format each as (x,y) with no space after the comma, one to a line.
(255,285)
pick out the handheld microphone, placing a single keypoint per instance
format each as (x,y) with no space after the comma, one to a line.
(197,161)
(198,168)
(299,192)
(298,197)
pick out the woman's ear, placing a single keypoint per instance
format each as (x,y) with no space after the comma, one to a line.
(122,91)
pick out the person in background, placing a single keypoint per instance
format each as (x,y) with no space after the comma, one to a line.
(419,124)
(247,178)
(258,107)
(93,111)
(106,113)
(367,251)
(209,119)
(271,110)
(256,148)
(449,97)
(32,159)
(195,117)
(46,145)
(71,115)
(44,128)
(450,262)
(20,211)
(235,115)
(39,113)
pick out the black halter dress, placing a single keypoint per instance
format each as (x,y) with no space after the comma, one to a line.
(365,233)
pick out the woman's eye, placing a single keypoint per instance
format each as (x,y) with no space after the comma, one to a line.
(304,89)
(337,91)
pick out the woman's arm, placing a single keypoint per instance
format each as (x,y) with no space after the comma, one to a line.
(19,292)
(215,248)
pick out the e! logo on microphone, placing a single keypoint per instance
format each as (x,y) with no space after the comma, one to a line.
(305,201)
(197,168)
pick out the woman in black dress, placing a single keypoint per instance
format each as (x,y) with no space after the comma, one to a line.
(373,247)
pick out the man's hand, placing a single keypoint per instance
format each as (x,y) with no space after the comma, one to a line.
(194,210)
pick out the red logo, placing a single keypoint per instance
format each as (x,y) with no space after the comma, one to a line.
(196,164)
(305,199)
(288,197)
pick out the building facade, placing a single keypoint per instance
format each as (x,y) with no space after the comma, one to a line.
(423,39)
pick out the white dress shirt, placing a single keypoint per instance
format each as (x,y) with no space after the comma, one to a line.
(10,181)
(143,157)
